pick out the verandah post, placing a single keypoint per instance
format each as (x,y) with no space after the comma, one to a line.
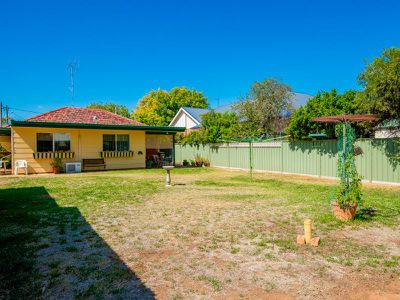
(173,149)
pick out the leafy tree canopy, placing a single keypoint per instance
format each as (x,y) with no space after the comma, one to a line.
(381,83)
(112,107)
(266,102)
(159,107)
(323,104)
(193,138)
(216,127)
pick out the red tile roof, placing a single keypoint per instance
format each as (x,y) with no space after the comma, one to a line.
(83,116)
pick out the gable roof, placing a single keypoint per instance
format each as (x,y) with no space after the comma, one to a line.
(83,116)
(388,124)
(299,99)
(196,112)
(193,113)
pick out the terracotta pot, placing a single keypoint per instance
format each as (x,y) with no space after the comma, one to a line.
(344,214)
(56,170)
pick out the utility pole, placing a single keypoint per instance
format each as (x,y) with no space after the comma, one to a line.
(1,114)
(7,120)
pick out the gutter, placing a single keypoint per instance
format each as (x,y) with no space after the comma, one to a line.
(96,126)
(5,131)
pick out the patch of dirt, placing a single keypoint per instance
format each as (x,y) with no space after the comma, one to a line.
(378,235)
(255,294)
(196,286)
(158,256)
(367,287)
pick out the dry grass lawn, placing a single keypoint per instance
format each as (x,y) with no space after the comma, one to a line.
(215,234)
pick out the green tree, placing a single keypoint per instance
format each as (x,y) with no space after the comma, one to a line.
(381,85)
(323,104)
(193,138)
(159,107)
(112,107)
(215,127)
(266,102)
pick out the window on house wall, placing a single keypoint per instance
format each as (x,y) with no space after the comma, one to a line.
(115,142)
(62,142)
(108,142)
(49,142)
(122,142)
(44,142)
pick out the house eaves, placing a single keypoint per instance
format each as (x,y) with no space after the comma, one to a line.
(97,126)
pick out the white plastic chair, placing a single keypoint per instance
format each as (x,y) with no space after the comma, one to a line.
(21,164)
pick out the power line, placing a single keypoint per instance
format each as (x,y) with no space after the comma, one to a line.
(17,115)
(24,110)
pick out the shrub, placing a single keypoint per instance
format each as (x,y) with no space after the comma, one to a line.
(57,165)
(206,162)
(201,161)
(149,164)
(2,148)
(185,163)
(348,192)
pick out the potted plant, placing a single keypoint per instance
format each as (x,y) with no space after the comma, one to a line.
(149,164)
(57,165)
(348,193)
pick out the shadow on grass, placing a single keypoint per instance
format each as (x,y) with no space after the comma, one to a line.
(48,251)
(366,214)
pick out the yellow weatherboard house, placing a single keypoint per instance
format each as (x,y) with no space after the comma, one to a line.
(99,138)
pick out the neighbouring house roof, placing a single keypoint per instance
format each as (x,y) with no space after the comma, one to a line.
(299,99)
(196,113)
(388,124)
(224,108)
(83,116)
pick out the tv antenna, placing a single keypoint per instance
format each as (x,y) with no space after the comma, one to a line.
(72,69)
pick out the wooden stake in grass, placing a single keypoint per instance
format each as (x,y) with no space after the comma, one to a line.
(307,237)
(307,231)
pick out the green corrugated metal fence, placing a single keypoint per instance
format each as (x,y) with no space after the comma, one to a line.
(376,162)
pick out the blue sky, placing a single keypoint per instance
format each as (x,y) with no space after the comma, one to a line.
(126,48)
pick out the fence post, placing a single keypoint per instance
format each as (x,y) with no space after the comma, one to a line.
(320,158)
(229,154)
(371,160)
(282,157)
(251,161)
(209,153)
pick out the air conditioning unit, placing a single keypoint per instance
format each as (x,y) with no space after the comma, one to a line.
(73,167)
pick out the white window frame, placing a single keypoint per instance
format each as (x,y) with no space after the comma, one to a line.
(116,142)
(53,143)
